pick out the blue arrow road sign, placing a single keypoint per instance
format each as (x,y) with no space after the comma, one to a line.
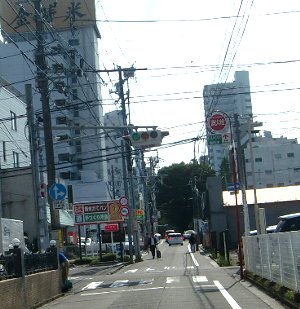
(57,192)
(230,186)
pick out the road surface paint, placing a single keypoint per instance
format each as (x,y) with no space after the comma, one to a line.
(226,295)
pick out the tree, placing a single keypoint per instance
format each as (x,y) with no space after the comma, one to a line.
(176,193)
(225,173)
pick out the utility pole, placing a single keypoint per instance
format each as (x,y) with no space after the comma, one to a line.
(132,224)
(40,203)
(241,173)
(42,85)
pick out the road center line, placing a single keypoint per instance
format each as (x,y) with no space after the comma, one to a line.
(226,295)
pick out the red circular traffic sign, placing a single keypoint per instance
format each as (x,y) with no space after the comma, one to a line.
(123,201)
(124,210)
(217,122)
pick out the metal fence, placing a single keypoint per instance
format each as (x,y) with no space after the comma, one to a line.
(274,256)
(15,263)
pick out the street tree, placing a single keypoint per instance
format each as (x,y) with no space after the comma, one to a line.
(176,198)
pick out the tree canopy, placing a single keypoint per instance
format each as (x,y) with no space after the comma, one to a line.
(176,193)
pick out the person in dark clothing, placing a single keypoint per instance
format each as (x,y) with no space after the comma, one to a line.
(192,241)
(152,244)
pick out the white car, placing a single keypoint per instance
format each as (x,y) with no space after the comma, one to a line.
(175,239)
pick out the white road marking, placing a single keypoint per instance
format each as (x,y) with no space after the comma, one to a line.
(193,258)
(172,279)
(190,267)
(121,291)
(118,283)
(226,295)
(80,278)
(199,278)
(167,267)
(149,269)
(131,271)
(91,286)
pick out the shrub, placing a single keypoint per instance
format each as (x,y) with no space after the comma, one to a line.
(108,257)
(126,258)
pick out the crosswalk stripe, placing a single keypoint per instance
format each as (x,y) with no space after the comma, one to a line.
(92,286)
(172,279)
(119,283)
(199,278)
(131,271)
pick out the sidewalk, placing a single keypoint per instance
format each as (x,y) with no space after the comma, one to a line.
(249,281)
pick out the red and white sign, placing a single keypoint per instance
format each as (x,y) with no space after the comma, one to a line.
(217,122)
(123,201)
(111,227)
(124,211)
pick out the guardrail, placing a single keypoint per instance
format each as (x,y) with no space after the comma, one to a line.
(15,263)
(274,256)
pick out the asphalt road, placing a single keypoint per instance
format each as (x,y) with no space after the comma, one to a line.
(179,279)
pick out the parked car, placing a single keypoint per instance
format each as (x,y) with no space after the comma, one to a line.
(269,229)
(175,239)
(288,223)
(187,234)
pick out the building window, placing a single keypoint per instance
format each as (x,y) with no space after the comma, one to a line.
(16,159)
(78,146)
(4,150)
(270,185)
(76,111)
(74,94)
(280,184)
(268,172)
(290,155)
(258,159)
(61,120)
(13,121)
(77,131)
(79,164)
(277,156)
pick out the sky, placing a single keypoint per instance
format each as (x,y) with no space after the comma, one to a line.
(185,45)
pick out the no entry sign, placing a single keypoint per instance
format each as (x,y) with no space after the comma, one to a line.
(217,122)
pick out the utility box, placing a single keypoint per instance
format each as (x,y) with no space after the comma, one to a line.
(10,229)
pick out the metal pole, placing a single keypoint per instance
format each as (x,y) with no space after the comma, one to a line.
(241,173)
(238,228)
(256,209)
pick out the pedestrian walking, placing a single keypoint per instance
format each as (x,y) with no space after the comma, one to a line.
(192,241)
(152,244)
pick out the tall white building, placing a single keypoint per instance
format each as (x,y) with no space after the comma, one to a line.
(276,162)
(113,139)
(229,98)
(71,52)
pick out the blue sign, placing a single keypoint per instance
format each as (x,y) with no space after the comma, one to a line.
(57,192)
(230,186)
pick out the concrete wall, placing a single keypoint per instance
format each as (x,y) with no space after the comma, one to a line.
(30,291)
